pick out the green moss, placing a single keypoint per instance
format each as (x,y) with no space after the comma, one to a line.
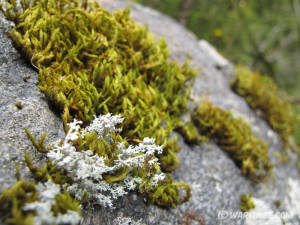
(91,62)
(165,194)
(246,203)
(13,200)
(263,95)
(190,133)
(235,137)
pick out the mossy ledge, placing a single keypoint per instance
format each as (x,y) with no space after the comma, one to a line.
(235,137)
(263,95)
(91,63)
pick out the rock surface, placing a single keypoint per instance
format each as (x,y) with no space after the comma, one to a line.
(216,181)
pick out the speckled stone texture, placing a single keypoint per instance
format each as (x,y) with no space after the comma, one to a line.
(215,180)
(34,115)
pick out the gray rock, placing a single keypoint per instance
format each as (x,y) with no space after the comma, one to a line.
(34,115)
(215,180)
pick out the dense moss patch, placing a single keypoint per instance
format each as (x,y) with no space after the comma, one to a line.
(190,133)
(235,137)
(263,95)
(106,143)
(13,200)
(91,62)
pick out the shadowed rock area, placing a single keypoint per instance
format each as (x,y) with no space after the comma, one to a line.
(215,180)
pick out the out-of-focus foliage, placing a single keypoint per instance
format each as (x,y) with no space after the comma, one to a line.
(262,94)
(235,137)
(262,34)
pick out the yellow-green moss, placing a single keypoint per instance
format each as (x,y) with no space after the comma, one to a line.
(263,95)
(246,203)
(166,193)
(234,136)
(91,62)
(13,200)
(190,133)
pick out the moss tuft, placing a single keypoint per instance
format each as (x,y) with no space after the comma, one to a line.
(263,95)
(235,137)
(190,133)
(246,202)
(13,200)
(166,194)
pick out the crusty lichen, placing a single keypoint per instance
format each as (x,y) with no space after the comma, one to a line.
(263,95)
(235,137)
(90,63)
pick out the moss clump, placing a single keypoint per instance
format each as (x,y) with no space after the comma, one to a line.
(14,200)
(167,193)
(263,95)
(235,137)
(91,62)
(246,202)
(190,133)
(101,138)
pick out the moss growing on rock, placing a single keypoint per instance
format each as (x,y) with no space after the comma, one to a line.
(96,161)
(91,62)
(190,133)
(235,137)
(26,203)
(246,202)
(13,200)
(263,95)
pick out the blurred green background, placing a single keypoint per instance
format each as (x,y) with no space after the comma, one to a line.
(263,35)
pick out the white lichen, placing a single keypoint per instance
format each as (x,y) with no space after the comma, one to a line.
(104,125)
(87,169)
(121,220)
(43,207)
